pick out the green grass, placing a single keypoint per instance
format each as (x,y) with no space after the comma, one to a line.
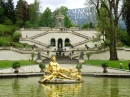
(111,63)
(8,64)
(6,40)
(6,28)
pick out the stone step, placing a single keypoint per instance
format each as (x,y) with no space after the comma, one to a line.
(62,60)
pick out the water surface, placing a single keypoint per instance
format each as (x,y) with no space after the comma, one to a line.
(92,87)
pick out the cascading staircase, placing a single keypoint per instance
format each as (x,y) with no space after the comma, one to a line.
(62,60)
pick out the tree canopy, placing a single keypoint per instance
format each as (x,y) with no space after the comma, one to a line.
(7,15)
(46,19)
(108,15)
(34,14)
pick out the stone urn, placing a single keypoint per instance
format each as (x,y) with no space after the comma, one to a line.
(79,67)
(16,70)
(104,66)
(42,67)
(16,66)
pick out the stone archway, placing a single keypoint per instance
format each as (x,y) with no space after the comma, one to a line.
(60,43)
(67,42)
(53,42)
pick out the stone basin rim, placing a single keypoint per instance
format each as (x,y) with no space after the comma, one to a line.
(61,82)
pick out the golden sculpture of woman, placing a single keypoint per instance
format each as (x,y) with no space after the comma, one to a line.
(53,65)
(55,71)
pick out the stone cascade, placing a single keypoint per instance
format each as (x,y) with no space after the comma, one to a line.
(58,38)
(30,39)
(39,35)
(21,51)
(34,41)
(81,35)
(40,43)
(81,42)
(76,55)
(62,60)
(44,55)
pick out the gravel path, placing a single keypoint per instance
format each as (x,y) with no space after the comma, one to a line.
(85,69)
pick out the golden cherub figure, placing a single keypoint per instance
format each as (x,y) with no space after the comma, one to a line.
(76,75)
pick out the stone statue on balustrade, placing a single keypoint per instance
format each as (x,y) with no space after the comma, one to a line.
(39,58)
(81,55)
(39,55)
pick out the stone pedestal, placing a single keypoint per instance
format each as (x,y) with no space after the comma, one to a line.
(38,61)
(81,60)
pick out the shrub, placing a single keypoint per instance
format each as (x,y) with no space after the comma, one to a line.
(35,26)
(91,25)
(16,36)
(104,64)
(88,55)
(52,44)
(6,30)
(24,45)
(79,66)
(119,44)
(85,26)
(4,43)
(27,24)
(42,66)
(8,21)
(32,55)
(67,43)
(1,33)
(16,65)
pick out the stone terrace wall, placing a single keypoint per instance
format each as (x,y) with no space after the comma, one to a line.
(12,55)
(122,55)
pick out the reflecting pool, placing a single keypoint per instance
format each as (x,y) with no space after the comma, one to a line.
(92,87)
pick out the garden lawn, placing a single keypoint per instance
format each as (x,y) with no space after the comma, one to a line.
(8,64)
(6,40)
(111,63)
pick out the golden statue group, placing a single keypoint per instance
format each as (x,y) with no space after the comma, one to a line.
(54,73)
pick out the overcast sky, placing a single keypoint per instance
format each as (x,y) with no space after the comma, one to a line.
(53,4)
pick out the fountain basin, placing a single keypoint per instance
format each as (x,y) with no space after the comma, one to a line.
(61,81)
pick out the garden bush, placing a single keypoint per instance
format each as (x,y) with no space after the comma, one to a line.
(4,43)
(6,30)
(27,24)
(16,36)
